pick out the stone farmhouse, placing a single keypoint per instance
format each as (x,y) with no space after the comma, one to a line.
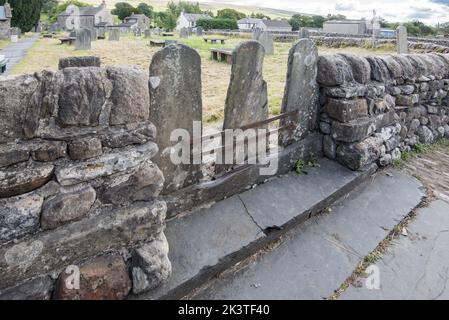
(189,20)
(136,21)
(85,17)
(5,21)
(248,23)
(274,25)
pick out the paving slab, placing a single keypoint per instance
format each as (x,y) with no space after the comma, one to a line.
(417,265)
(202,238)
(275,203)
(323,252)
(230,230)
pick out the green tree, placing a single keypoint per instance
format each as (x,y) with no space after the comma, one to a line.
(145,9)
(48,6)
(259,16)
(230,14)
(298,21)
(318,21)
(183,6)
(123,10)
(336,17)
(166,20)
(219,24)
(26,13)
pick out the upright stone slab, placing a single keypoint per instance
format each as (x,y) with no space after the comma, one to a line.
(266,39)
(175,103)
(83,39)
(401,40)
(101,33)
(157,31)
(199,31)
(304,33)
(184,33)
(93,34)
(301,90)
(138,33)
(247,100)
(114,34)
(256,33)
(147,33)
(72,34)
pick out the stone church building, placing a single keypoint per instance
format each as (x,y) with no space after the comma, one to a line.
(85,17)
(5,21)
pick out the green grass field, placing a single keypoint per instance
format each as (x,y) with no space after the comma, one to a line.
(46,53)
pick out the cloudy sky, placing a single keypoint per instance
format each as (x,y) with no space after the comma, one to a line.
(428,11)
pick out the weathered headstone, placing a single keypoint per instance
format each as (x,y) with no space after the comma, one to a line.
(72,34)
(138,33)
(266,39)
(199,31)
(83,39)
(93,34)
(114,34)
(175,103)
(147,33)
(301,91)
(401,40)
(246,100)
(304,33)
(102,33)
(256,33)
(157,31)
(184,33)
(79,62)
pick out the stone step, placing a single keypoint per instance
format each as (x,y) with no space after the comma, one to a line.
(316,258)
(209,241)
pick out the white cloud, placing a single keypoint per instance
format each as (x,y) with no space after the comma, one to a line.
(428,11)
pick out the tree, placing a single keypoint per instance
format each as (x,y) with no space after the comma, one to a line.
(260,16)
(48,6)
(299,21)
(219,24)
(145,9)
(166,20)
(123,10)
(336,17)
(230,14)
(183,6)
(25,14)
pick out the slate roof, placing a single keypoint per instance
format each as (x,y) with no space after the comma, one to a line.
(276,23)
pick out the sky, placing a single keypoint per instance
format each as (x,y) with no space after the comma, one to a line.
(427,11)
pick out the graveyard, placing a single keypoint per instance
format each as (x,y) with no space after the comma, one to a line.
(46,53)
(222,164)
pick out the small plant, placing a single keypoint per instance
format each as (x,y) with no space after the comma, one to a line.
(398,163)
(300,166)
(420,148)
(371,258)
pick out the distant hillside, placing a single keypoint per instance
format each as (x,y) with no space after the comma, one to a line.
(160,5)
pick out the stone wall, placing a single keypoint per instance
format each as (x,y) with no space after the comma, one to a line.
(374,108)
(78,185)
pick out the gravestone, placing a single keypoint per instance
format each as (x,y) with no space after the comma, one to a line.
(72,34)
(301,90)
(93,34)
(256,33)
(157,31)
(184,33)
(266,39)
(304,33)
(138,33)
(401,40)
(175,103)
(83,39)
(79,62)
(101,33)
(169,42)
(246,100)
(199,31)
(147,33)
(114,34)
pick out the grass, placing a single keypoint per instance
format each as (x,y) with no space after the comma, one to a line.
(418,149)
(3,43)
(46,53)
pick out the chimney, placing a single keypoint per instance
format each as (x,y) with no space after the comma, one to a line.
(103,4)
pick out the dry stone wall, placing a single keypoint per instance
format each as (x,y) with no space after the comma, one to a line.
(374,108)
(78,185)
